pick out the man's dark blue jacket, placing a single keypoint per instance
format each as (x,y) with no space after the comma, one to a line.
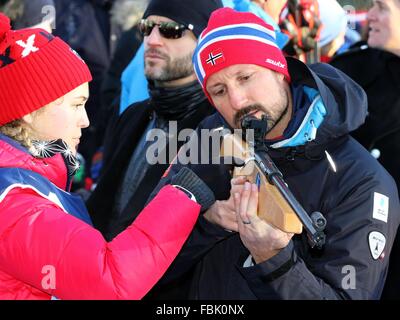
(330,173)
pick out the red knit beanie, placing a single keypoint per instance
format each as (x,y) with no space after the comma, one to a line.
(233,37)
(36,68)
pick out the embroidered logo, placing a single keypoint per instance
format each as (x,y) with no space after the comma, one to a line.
(215,58)
(381,207)
(377,243)
(276,63)
(28,46)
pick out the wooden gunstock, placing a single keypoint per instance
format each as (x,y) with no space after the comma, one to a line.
(272,206)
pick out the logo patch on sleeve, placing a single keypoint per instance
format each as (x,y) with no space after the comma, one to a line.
(381,207)
(377,242)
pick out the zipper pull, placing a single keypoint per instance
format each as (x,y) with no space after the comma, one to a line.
(313,133)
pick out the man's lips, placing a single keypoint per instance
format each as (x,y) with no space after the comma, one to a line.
(153,56)
(252,113)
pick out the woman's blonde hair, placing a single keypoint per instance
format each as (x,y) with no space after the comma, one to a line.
(17,131)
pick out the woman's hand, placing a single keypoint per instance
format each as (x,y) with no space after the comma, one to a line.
(223,212)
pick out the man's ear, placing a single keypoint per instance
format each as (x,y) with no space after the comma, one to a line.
(281,76)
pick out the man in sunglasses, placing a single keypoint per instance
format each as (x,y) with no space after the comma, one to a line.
(309,112)
(132,77)
(170,29)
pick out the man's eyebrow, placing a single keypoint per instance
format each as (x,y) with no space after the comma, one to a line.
(215,85)
(235,74)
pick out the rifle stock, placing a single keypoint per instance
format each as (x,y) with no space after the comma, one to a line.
(272,206)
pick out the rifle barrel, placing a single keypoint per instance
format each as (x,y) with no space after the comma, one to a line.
(275,177)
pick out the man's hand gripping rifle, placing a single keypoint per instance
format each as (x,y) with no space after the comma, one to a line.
(276,203)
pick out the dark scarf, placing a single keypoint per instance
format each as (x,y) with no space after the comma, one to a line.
(47,149)
(176,103)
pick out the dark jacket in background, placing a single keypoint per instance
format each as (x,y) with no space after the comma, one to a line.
(85,26)
(378,72)
(122,138)
(126,48)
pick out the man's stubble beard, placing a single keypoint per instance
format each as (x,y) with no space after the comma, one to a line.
(272,121)
(172,70)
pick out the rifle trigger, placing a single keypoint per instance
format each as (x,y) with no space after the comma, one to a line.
(246,161)
(238,162)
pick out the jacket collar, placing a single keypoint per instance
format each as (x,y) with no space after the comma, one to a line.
(14,155)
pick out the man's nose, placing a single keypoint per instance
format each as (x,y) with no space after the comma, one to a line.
(154,38)
(238,99)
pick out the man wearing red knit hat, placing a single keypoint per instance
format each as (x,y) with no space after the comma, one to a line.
(309,113)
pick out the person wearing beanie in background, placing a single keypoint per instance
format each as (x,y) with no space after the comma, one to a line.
(375,66)
(127,178)
(30,13)
(335,36)
(48,247)
(310,111)
(133,80)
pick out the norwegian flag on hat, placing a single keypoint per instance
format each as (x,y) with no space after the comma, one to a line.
(215,57)
(233,37)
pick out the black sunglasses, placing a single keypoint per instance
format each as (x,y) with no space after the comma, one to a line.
(169,30)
